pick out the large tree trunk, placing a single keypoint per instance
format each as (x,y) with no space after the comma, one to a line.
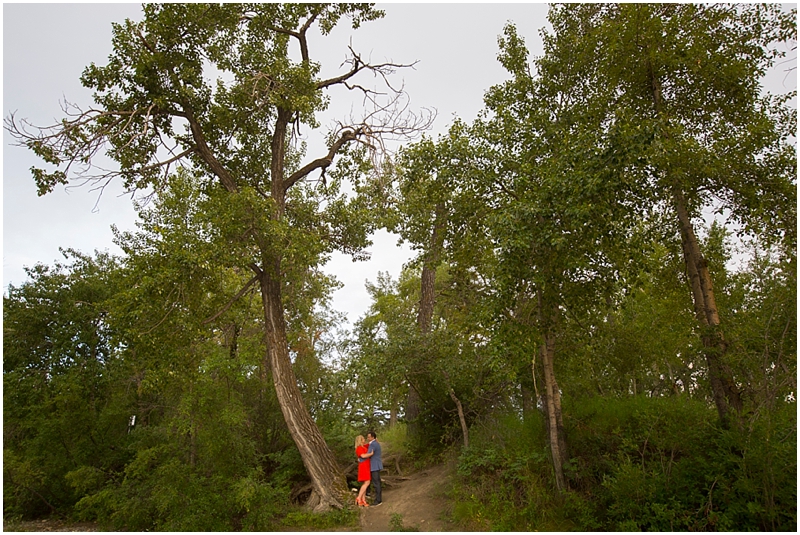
(413,402)
(424,321)
(330,487)
(723,388)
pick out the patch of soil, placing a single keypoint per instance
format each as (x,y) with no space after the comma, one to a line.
(419,499)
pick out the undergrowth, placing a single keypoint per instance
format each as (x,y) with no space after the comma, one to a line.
(636,464)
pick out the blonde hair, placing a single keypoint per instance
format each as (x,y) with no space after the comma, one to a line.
(360,440)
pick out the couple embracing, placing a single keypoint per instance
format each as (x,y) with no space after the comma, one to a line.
(370,465)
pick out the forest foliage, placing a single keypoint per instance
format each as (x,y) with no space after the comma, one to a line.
(599,328)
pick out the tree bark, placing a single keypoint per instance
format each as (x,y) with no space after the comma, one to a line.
(427,302)
(330,486)
(723,388)
(552,398)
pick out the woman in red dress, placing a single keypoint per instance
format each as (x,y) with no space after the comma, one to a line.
(363,471)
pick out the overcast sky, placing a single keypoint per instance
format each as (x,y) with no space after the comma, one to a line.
(46,47)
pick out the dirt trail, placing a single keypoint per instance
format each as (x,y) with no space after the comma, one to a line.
(419,500)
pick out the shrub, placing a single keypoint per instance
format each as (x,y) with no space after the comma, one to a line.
(637,464)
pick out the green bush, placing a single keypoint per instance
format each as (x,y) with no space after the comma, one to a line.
(396,524)
(637,464)
(664,464)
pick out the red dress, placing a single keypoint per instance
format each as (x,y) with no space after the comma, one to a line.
(363,467)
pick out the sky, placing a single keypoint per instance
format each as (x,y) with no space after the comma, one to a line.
(47,46)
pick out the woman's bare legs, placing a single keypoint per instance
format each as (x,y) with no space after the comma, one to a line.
(362,493)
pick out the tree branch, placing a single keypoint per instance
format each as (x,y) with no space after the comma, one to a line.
(324,162)
(232,301)
(205,152)
(358,65)
(299,35)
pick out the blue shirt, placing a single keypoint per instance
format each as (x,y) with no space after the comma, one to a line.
(375,462)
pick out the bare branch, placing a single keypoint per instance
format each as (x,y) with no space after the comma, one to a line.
(74,142)
(381,69)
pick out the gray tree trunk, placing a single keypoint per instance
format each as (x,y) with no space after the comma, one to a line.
(724,390)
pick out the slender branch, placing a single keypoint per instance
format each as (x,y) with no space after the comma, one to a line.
(156,165)
(205,152)
(508,192)
(358,65)
(145,43)
(154,327)
(302,37)
(232,301)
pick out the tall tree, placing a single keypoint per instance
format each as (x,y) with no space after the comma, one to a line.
(687,76)
(434,213)
(155,108)
(556,219)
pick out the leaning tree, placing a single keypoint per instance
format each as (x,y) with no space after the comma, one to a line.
(156,108)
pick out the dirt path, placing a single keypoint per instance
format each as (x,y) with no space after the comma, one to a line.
(419,500)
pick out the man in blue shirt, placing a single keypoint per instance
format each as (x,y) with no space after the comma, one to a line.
(375,466)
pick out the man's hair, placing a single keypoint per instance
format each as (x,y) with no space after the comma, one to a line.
(373,434)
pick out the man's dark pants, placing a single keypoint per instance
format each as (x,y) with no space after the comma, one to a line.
(376,486)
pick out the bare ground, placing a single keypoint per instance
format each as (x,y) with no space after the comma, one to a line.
(419,499)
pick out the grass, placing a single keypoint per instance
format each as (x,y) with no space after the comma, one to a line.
(396,524)
(308,521)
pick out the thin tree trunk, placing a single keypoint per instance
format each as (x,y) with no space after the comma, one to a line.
(723,388)
(552,398)
(412,412)
(461,418)
(527,402)
(192,429)
(427,302)
(460,408)
(552,409)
